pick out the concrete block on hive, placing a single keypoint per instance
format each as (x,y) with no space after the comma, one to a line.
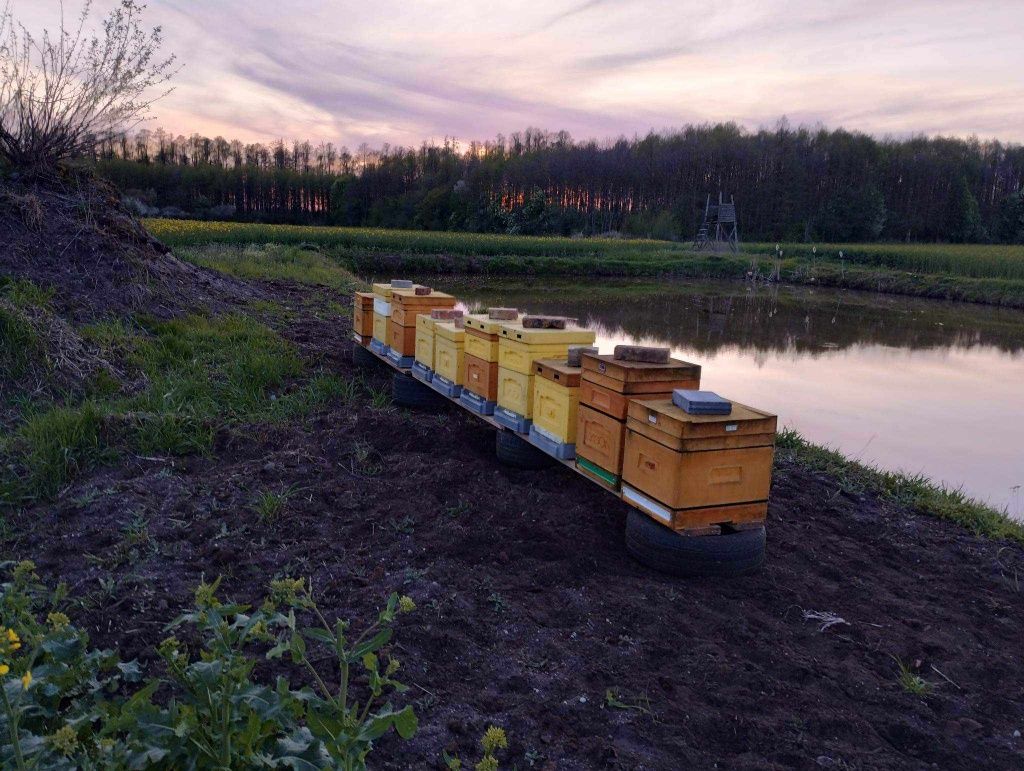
(445,314)
(401,283)
(576,352)
(544,322)
(502,314)
(644,353)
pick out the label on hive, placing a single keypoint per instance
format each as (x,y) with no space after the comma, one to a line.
(644,353)
(503,314)
(544,322)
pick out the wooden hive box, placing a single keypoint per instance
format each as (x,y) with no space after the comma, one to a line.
(401,338)
(480,377)
(407,306)
(636,377)
(556,388)
(449,351)
(425,340)
(380,327)
(481,322)
(382,290)
(599,441)
(698,470)
(519,348)
(362,314)
(515,392)
(482,345)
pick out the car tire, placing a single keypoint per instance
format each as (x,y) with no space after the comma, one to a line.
(513,450)
(658,547)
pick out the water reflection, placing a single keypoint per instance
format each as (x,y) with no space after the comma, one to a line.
(916,385)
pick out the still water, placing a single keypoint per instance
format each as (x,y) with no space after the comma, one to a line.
(914,385)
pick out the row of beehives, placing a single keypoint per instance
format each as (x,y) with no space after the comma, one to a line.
(614,418)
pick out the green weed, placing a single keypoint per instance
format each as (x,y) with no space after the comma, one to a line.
(915,492)
(909,681)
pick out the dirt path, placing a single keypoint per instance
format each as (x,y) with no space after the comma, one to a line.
(530,610)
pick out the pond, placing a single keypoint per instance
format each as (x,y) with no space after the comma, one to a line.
(906,384)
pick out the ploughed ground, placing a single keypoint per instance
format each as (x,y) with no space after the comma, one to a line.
(530,610)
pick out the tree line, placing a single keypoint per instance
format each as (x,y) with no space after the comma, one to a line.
(790,184)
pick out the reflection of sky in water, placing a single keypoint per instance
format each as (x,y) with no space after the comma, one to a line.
(952,409)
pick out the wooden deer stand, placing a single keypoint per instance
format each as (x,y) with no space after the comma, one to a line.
(719,231)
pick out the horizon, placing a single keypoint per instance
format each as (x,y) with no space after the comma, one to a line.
(404,76)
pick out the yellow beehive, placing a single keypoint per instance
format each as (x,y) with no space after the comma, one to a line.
(449,351)
(515,391)
(380,327)
(556,399)
(482,345)
(383,291)
(481,322)
(425,340)
(519,348)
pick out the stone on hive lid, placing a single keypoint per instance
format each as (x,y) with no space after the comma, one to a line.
(642,353)
(544,322)
(401,283)
(575,357)
(502,314)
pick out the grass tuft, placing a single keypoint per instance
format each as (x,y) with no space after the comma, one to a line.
(915,492)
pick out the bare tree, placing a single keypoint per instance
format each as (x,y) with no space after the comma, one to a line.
(65,92)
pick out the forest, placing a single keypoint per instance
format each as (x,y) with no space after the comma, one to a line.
(790,184)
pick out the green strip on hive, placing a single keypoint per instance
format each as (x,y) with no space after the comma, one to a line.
(607,476)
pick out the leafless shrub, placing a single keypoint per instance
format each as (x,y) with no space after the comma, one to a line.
(63,92)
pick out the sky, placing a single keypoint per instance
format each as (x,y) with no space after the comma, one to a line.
(404,72)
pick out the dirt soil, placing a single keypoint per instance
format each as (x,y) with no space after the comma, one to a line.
(530,610)
(69,232)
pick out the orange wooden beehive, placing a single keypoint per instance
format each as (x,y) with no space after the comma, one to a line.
(480,377)
(406,305)
(362,314)
(690,471)
(607,386)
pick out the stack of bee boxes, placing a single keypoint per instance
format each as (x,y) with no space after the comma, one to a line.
(556,400)
(518,349)
(381,317)
(480,375)
(606,388)
(449,342)
(406,306)
(698,472)
(362,318)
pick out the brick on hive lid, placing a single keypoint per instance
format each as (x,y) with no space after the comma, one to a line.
(544,322)
(642,353)
(503,314)
(445,314)
(401,283)
(423,290)
(575,356)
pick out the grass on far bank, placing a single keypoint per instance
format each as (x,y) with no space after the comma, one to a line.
(973,273)
(915,492)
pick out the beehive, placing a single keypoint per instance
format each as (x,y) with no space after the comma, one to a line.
(480,376)
(381,316)
(607,386)
(406,307)
(519,348)
(482,335)
(692,471)
(449,342)
(515,400)
(362,317)
(556,388)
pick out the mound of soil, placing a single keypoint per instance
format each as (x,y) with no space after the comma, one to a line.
(530,610)
(70,233)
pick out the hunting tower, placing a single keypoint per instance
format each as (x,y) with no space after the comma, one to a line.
(718,231)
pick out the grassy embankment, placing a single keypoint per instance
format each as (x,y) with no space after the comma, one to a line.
(974,273)
(163,387)
(202,374)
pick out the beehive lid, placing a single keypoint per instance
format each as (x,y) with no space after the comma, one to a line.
(517,333)
(434,299)
(449,331)
(365,299)
(423,321)
(481,322)
(383,290)
(558,371)
(639,371)
(663,415)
